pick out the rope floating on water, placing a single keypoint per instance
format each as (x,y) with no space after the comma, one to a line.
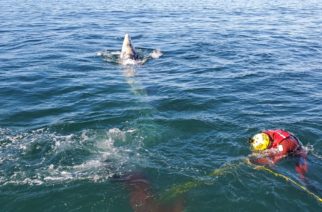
(263,168)
(180,189)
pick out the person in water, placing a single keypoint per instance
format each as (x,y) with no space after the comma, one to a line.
(271,146)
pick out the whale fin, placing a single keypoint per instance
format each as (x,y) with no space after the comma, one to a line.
(128,51)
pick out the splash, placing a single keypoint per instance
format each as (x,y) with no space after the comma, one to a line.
(156,53)
(144,55)
(42,156)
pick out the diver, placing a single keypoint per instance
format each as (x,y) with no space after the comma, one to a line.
(270,146)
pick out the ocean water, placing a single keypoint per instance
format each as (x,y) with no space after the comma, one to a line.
(70,121)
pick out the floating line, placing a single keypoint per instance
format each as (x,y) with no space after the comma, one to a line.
(180,189)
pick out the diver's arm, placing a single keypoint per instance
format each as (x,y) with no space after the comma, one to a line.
(266,157)
(260,159)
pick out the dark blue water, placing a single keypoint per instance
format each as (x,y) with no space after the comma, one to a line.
(69,120)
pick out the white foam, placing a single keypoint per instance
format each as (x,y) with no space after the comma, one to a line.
(130,62)
(108,54)
(88,165)
(104,158)
(156,53)
(116,133)
(63,143)
(32,181)
(84,137)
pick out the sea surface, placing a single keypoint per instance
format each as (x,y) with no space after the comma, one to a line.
(71,121)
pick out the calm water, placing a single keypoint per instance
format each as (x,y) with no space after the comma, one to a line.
(70,120)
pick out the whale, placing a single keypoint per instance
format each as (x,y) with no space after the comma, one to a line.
(128,50)
(128,55)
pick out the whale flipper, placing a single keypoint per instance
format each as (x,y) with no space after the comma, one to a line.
(128,51)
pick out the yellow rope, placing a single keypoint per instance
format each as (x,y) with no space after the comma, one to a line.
(289,180)
(180,189)
(177,190)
